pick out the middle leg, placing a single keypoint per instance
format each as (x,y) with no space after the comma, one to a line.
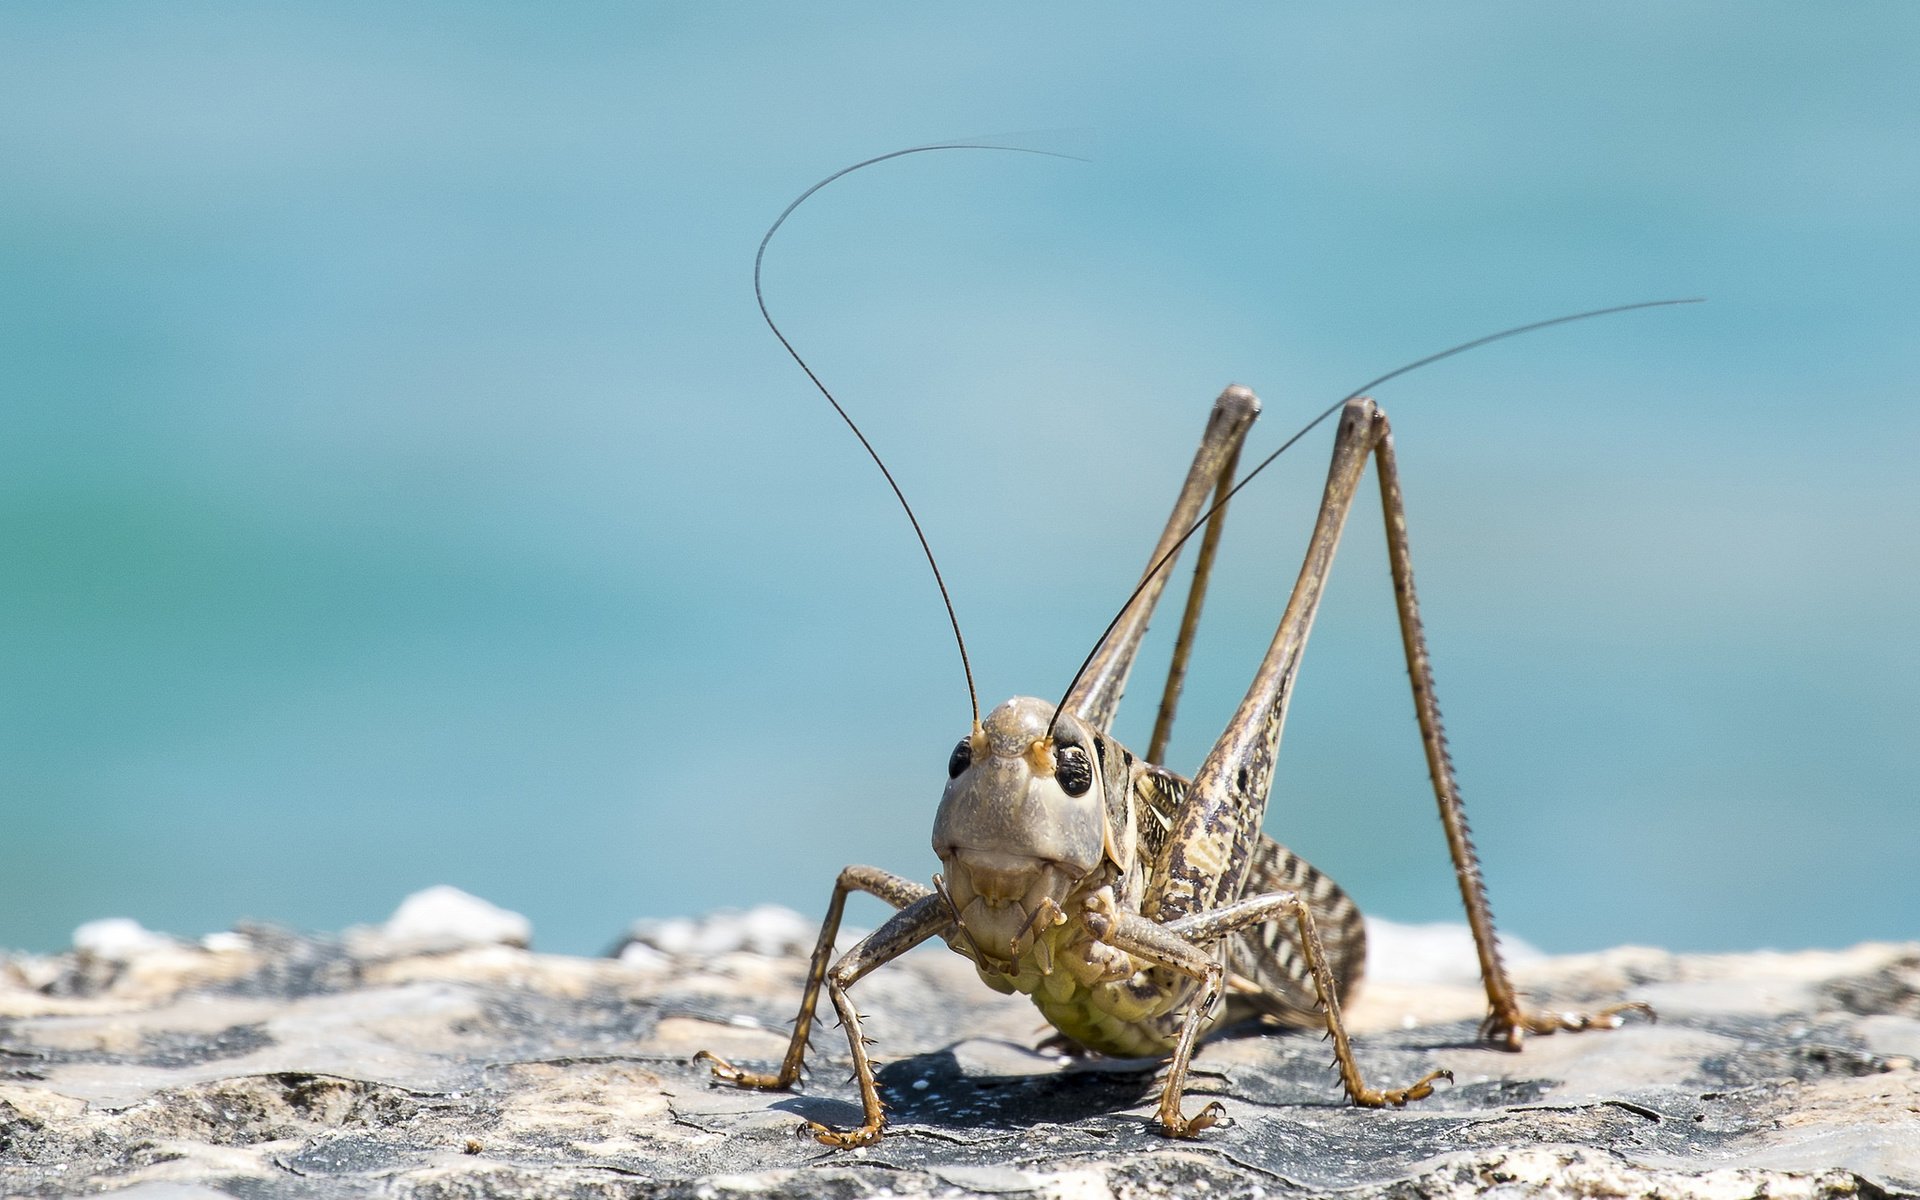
(1183,947)
(1292,906)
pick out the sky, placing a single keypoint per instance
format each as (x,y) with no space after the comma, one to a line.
(398,487)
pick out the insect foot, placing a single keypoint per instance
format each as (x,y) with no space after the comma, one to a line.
(727,1072)
(1368,1097)
(846,1139)
(1509,1029)
(1173,1125)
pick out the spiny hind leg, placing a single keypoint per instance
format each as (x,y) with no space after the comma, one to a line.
(889,887)
(1096,695)
(1239,406)
(1507,1022)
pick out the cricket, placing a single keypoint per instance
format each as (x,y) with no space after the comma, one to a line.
(1139,908)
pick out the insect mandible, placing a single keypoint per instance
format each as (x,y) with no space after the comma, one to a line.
(1140,909)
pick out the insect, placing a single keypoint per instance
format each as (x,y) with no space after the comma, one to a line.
(1139,908)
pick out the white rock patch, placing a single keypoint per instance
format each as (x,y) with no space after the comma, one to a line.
(446,917)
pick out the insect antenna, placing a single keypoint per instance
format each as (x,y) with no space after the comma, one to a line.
(1161,563)
(759,296)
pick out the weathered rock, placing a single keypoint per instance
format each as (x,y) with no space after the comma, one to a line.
(265,1064)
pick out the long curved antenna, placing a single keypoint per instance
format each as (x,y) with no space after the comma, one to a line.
(1160,564)
(966,666)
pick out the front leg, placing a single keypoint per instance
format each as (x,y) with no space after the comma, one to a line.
(922,919)
(901,893)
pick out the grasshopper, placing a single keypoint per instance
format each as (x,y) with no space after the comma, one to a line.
(1138,908)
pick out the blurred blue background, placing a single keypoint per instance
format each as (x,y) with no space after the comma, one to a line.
(397,486)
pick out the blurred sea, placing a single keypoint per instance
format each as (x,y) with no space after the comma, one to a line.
(397,486)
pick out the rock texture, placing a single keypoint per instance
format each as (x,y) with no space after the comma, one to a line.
(260,1063)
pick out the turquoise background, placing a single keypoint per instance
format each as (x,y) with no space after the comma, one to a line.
(397,486)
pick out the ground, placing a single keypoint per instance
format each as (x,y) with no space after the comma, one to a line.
(437,1058)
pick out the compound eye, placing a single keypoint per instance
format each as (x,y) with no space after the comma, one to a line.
(962,758)
(1073,770)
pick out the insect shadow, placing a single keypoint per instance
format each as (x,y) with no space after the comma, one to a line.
(935,1089)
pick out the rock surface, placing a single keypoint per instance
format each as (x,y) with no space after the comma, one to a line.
(260,1063)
